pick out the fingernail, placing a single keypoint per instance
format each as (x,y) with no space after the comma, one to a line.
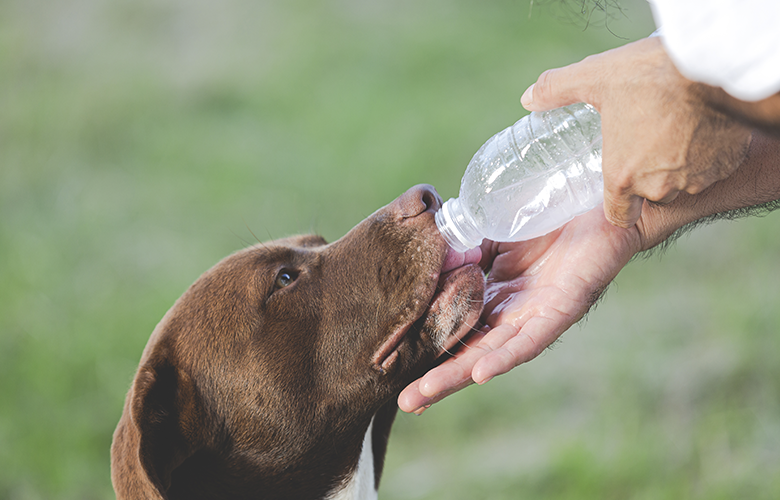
(419,411)
(485,381)
(528,96)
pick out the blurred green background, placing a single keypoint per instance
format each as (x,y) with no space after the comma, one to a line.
(141,141)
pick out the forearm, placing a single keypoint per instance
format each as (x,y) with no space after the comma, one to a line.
(756,183)
(764,114)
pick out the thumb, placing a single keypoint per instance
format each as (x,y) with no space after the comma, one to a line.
(556,88)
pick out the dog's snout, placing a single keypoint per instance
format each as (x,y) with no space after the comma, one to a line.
(419,199)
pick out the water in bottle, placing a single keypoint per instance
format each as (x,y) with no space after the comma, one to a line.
(528,179)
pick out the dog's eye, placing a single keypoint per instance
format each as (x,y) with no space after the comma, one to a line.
(285,278)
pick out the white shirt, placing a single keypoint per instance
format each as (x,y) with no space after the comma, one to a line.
(732,44)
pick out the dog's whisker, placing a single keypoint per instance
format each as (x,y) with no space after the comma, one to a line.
(254,235)
(243,240)
(460,340)
(448,352)
(473,328)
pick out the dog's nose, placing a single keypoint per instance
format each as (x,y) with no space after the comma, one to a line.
(419,199)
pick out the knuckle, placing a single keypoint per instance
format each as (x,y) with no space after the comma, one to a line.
(545,85)
(661,185)
(620,183)
(697,187)
(658,193)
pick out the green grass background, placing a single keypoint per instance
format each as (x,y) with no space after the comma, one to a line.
(141,141)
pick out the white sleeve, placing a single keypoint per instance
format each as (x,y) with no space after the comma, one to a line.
(732,44)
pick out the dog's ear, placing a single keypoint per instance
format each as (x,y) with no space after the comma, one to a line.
(167,414)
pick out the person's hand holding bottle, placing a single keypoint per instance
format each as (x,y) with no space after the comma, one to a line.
(661,133)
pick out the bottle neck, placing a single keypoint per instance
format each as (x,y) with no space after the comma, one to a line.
(457,227)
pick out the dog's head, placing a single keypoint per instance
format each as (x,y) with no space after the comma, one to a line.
(284,349)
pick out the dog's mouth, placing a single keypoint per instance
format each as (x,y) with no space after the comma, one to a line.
(451,311)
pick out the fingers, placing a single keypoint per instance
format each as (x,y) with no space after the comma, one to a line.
(517,349)
(411,399)
(622,211)
(500,350)
(625,211)
(457,373)
(527,100)
(447,378)
(500,359)
(556,88)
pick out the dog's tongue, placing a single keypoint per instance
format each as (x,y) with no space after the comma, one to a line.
(455,259)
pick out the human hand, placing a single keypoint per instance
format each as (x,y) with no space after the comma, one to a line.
(661,135)
(535,291)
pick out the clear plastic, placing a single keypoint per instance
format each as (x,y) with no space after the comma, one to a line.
(527,180)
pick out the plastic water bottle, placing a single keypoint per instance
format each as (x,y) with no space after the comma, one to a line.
(528,179)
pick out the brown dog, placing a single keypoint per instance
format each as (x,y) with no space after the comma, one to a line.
(275,375)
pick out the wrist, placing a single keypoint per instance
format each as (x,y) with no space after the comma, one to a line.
(754,183)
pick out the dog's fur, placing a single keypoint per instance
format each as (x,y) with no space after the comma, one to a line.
(275,375)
